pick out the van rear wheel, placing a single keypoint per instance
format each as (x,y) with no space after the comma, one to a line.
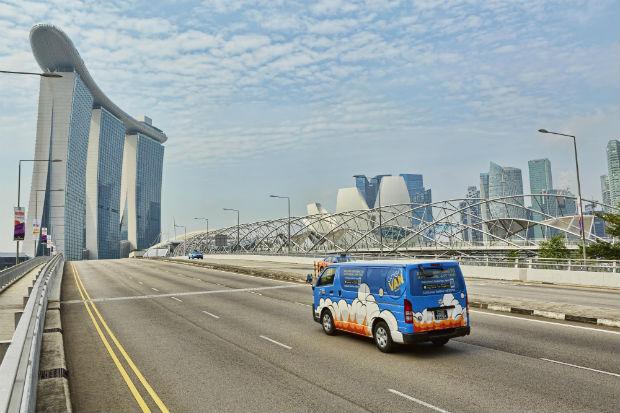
(438,342)
(327,321)
(383,337)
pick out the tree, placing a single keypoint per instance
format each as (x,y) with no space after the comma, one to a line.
(554,247)
(602,249)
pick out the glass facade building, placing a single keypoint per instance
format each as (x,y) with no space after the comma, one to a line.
(541,181)
(149,164)
(419,196)
(111,140)
(506,182)
(613,171)
(75,187)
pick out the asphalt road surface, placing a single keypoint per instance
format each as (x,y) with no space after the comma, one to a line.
(170,337)
(584,296)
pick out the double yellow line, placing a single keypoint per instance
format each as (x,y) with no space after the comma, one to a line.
(91,307)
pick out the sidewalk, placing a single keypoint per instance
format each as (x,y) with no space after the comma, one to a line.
(12,301)
(541,308)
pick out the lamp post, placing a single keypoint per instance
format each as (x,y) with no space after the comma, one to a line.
(36,214)
(184,242)
(237,211)
(582,223)
(288,199)
(19,185)
(207,220)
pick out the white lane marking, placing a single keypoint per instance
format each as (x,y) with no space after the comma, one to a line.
(140,282)
(258,294)
(212,315)
(276,342)
(581,367)
(545,322)
(306,305)
(174,298)
(423,403)
(149,296)
(154,289)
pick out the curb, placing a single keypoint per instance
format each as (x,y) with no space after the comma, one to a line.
(545,314)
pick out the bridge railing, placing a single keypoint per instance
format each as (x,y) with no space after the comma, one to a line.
(19,371)
(12,274)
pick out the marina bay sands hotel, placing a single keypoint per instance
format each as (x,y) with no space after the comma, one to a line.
(104,195)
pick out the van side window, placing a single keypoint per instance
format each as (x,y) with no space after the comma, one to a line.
(351,278)
(327,277)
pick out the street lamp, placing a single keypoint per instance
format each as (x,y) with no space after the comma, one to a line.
(19,184)
(582,225)
(288,199)
(184,242)
(36,213)
(205,219)
(44,74)
(237,211)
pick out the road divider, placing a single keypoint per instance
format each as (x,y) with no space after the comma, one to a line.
(545,314)
(532,320)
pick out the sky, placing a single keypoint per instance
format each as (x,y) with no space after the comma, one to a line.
(293,98)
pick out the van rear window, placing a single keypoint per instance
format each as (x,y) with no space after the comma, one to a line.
(435,280)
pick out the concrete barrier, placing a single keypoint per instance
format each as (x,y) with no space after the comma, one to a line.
(576,278)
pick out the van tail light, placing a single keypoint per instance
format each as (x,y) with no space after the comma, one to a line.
(408,312)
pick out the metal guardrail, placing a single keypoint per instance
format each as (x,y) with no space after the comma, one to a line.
(19,371)
(14,273)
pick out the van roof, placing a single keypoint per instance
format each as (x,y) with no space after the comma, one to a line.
(382,263)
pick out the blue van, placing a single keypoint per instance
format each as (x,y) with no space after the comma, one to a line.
(393,302)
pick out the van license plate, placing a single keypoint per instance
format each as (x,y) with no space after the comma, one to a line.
(441,314)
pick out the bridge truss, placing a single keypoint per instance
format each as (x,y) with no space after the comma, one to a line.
(456,226)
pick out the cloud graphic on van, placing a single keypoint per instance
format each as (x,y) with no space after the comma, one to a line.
(359,316)
(456,317)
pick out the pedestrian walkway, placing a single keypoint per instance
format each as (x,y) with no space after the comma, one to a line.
(12,301)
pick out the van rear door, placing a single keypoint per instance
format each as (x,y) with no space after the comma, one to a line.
(438,296)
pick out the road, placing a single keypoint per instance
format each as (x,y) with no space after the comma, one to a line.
(544,293)
(205,340)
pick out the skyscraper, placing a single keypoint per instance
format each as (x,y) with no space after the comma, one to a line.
(419,196)
(613,171)
(540,182)
(606,196)
(471,215)
(506,182)
(79,125)
(369,188)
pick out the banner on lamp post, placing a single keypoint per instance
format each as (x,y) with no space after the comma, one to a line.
(36,229)
(19,223)
(44,235)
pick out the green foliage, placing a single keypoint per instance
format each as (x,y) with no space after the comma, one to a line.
(606,250)
(603,250)
(612,223)
(554,248)
(512,254)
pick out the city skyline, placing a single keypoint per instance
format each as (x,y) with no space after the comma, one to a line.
(254,105)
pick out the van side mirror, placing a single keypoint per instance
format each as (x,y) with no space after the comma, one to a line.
(309,278)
